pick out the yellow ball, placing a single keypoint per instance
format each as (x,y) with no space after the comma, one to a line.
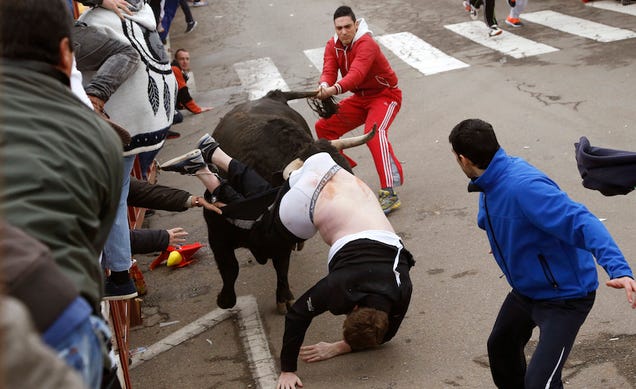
(174,258)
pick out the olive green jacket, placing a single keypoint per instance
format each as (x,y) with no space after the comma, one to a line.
(61,170)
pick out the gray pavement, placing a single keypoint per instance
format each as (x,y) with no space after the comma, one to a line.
(539,107)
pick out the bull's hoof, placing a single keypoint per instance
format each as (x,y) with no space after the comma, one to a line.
(284,306)
(226,299)
(281,308)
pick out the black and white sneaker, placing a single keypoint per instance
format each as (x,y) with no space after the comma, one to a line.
(207,145)
(190,26)
(113,291)
(494,30)
(188,163)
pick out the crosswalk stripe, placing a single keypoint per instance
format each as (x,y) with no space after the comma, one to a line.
(259,76)
(419,54)
(577,26)
(506,43)
(613,6)
(315,57)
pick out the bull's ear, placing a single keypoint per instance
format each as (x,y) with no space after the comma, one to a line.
(293,165)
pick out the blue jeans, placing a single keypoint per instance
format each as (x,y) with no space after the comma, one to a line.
(169,11)
(117,254)
(82,349)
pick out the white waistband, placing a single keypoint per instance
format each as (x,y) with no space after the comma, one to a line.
(382,236)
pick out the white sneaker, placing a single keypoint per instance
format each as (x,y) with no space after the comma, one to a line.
(495,30)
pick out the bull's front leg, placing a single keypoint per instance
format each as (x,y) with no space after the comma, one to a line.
(284,296)
(228,266)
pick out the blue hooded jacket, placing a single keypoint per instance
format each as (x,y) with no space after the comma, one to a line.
(541,239)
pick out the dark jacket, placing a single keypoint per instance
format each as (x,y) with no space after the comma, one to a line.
(153,196)
(144,241)
(611,172)
(145,195)
(62,185)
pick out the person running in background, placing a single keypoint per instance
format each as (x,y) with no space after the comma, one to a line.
(169,12)
(473,6)
(198,3)
(516,8)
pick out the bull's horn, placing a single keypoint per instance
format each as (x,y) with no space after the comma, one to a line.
(341,144)
(293,165)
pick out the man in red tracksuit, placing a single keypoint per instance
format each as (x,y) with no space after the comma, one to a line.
(376,98)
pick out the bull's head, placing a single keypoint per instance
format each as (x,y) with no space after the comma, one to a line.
(337,144)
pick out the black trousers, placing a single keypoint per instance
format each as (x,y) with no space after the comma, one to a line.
(489,10)
(558,321)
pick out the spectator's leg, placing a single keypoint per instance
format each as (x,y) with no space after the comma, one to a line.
(117,253)
(169,11)
(382,111)
(186,11)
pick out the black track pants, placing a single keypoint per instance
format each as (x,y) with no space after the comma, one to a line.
(489,10)
(558,321)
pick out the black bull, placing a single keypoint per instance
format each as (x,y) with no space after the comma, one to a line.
(265,134)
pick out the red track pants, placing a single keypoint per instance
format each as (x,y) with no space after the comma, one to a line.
(378,109)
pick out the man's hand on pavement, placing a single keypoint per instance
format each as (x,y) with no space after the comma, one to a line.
(288,380)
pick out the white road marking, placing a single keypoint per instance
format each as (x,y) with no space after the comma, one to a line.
(315,57)
(506,43)
(420,54)
(409,48)
(255,342)
(251,331)
(577,26)
(259,76)
(613,6)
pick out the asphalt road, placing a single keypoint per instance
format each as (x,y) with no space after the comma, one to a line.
(539,106)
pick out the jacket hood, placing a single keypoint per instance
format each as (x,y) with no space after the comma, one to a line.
(611,172)
(363,28)
(142,14)
(135,5)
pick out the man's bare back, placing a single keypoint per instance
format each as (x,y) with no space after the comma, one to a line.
(345,194)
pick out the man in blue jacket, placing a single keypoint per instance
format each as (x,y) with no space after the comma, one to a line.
(545,244)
